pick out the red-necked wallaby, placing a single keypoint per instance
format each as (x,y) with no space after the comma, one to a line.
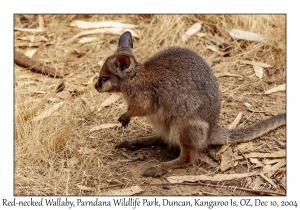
(177,91)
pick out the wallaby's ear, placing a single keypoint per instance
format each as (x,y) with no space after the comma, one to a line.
(126,40)
(123,62)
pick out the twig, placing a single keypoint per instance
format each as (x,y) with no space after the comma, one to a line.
(245,159)
(112,186)
(262,192)
(27,62)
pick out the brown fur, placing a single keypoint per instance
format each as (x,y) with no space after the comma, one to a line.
(179,94)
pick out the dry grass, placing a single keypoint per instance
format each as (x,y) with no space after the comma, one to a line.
(58,155)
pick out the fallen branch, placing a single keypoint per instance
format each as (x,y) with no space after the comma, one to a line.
(33,65)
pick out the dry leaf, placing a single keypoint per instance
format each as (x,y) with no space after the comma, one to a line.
(39,92)
(125,192)
(60,87)
(223,149)
(48,112)
(268,180)
(236,121)
(250,108)
(227,74)
(100,63)
(227,160)
(213,178)
(104,126)
(91,80)
(259,71)
(256,162)
(30,53)
(203,157)
(86,151)
(258,182)
(213,48)
(85,188)
(54,100)
(101,24)
(277,166)
(254,63)
(271,162)
(129,157)
(276,154)
(63,94)
(191,31)
(246,146)
(213,39)
(245,35)
(117,31)
(110,100)
(87,39)
(276,89)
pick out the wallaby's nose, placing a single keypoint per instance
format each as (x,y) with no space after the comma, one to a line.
(98,84)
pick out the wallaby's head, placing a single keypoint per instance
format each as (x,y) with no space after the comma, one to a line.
(117,66)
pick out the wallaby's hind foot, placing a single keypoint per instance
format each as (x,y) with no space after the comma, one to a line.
(140,142)
(186,158)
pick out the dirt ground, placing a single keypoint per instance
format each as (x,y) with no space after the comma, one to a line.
(59,150)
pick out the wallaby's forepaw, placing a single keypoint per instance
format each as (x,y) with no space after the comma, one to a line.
(124,120)
(155,171)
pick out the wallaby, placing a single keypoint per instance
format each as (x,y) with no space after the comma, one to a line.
(177,91)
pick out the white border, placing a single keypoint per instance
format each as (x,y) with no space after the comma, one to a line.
(152,6)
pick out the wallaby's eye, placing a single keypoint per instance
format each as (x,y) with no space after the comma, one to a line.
(104,78)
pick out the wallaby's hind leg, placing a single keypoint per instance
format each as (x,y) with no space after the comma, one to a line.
(140,142)
(191,139)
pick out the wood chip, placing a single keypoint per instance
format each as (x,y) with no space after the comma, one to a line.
(191,31)
(30,53)
(276,89)
(259,71)
(245,35)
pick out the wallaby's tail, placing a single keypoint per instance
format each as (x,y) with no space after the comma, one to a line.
(237,135)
